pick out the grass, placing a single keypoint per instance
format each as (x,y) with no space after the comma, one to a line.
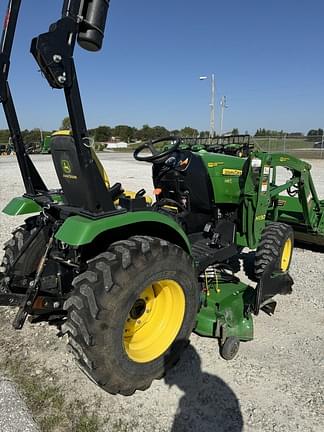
(278,144)
(45,399)
(47,403)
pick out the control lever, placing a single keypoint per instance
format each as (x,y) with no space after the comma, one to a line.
(140,193)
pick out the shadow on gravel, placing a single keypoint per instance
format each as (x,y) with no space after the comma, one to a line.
(309,246)
(247,259)
(208,404)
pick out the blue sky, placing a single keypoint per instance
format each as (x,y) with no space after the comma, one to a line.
(267,56)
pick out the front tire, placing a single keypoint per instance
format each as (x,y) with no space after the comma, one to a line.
(131,313)
(230,348)
(276,245)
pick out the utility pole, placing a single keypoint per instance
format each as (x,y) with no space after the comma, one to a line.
(212,131)
(41,133)
(223,107)
(212,108)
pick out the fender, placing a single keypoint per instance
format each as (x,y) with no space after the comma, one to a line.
(21,206)
(79,230)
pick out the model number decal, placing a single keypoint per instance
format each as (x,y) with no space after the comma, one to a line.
(260,217)
(214,164)
(232,172)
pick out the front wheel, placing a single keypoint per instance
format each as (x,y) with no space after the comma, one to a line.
(131,313)
(276,246)
(230,348)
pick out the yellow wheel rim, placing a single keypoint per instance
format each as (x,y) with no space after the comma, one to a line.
(154,321)
(286,255)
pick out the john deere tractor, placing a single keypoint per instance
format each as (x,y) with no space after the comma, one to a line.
(125,279)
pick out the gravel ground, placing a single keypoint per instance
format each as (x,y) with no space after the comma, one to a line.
(275,383)
(14,414)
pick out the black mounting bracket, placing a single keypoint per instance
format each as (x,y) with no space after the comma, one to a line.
(53,52)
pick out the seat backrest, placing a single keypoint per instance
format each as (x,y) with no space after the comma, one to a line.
(96,196)
(68,169)
(100,167)
(197,182)
(192,178)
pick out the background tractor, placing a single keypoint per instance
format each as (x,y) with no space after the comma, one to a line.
(293,201)
(127,280)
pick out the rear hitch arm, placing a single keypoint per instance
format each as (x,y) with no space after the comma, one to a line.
(33,289)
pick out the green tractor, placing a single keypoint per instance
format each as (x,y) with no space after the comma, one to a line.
(5,149)
(293,201)
(233,145)
(46,145)
(125,279)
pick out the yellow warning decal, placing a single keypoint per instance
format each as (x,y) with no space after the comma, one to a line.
(260,218)
(214,164)
(232,172)
(284,159)
(70,176)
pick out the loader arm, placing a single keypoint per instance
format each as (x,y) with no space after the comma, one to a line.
(53,51)
(32,180)
(302,180)
(262,200)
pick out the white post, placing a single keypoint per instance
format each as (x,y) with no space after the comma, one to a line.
(212,107)
(223,106)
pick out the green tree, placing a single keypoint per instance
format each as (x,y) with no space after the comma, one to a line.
(4,136)
(315,132)
(267,132)
(32,137)
(160,132)
(66,124)
(235,131)
(102,133)
(175,132)
(124,133)
(189,132)
(151,133)
(145,134)
(204,134)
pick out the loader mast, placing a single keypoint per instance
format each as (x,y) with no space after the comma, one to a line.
(32,181)
(53,51)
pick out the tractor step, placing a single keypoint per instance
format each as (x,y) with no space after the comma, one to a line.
(205,255)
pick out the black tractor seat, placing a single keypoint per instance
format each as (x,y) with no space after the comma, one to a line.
(68,170)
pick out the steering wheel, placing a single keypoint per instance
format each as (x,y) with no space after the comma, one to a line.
(156,155)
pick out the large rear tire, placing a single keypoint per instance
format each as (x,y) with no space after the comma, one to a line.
(276,245)
(131,313)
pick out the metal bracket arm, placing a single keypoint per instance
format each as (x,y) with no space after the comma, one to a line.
(53,52)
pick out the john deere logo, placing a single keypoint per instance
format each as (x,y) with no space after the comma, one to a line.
(66,166)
